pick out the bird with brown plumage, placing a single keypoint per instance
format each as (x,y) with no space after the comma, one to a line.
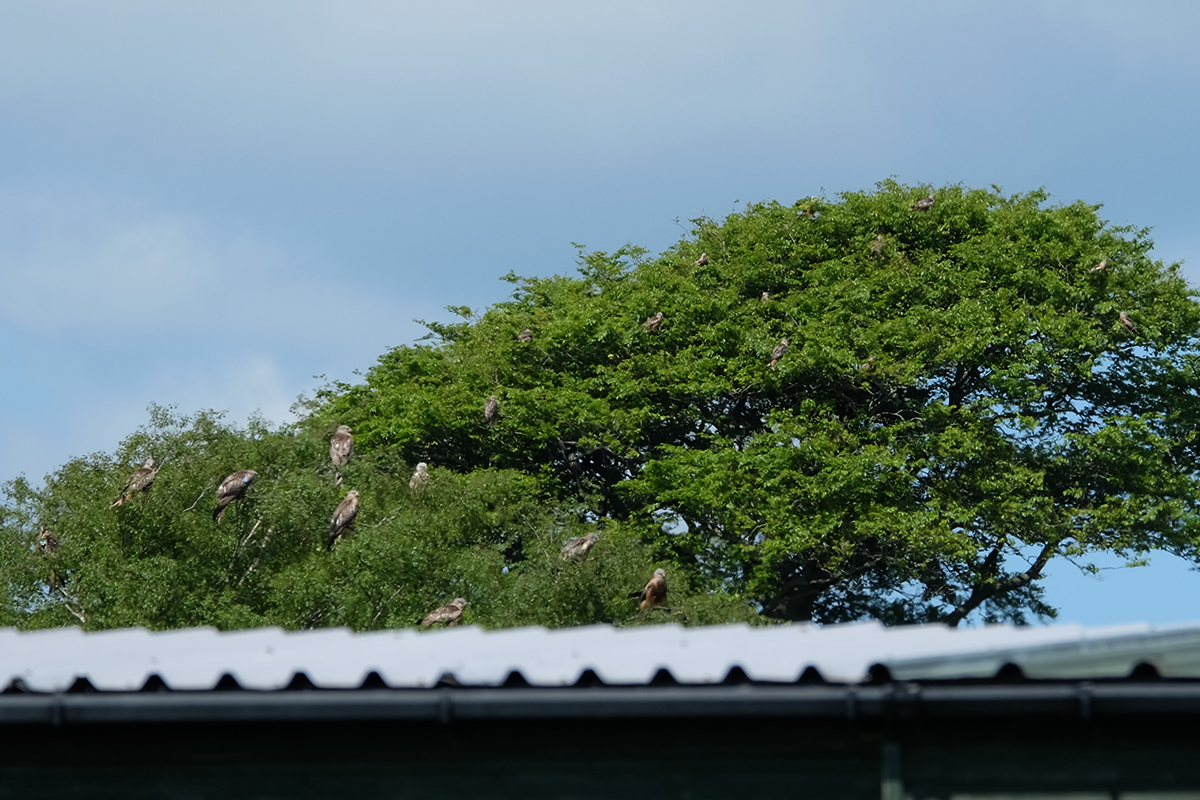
(766,297)
(419,479)
(654,593)
(47,542)
(576,549)
(1103,265)
(1129,324)
(877,246)
(652,324)
(491,411)
(779,352)
(343,516)
(451,614)
(525,336)
(233,488)
(47,545)
(924,204)
(702,261)
(140,481)
(341,446)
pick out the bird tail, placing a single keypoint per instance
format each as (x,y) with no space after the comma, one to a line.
(119,501)
(220,511)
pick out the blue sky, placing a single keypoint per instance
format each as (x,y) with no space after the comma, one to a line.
(208,204)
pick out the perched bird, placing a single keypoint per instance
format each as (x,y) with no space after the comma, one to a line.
(525,336)
(924,205)
(344,516)
(702,261)
(1103,265)
(451,614)
(140,481)
(576,549)
(419,478)
(654,593)
(779,352)
(1128,323)
(877,246)
(766,297)
(341,446)
(233,488)
(868,366)
(491,411)
(47,542)
(652,324)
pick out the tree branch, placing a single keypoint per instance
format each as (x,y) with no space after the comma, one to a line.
(383,607)
(254,565)
(67,599)
(201,497)
(242,544)
(985,591)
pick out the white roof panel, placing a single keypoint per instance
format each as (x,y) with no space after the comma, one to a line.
(269,658)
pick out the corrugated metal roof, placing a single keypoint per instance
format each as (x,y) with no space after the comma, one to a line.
(269,658)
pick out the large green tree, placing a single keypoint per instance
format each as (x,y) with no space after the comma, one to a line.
(969,392)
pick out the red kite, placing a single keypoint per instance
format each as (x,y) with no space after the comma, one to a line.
(140,481)
(419,478)
(451,614)
(343,516)
(779,352)
(576,549)
(654,593)
(341,446)
(233,488)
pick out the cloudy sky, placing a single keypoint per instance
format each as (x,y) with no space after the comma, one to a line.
(207,204)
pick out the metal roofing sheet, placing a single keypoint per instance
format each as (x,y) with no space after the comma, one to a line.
(269,658)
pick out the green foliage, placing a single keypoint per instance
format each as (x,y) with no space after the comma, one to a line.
(960,404)
(160,561)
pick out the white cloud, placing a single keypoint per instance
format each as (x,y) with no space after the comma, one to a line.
(137,274)
(105,309)
(73,265)
(80,415)
(247,386)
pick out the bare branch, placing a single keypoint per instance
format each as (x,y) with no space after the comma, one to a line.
(250,535)
(238,551)
(67,600)
(254,565)
(395,513)
(985,591)
(385,605)
(203,492)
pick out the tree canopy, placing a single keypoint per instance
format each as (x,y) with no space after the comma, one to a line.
(968,391)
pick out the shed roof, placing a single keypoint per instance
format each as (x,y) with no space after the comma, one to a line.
(270,658)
